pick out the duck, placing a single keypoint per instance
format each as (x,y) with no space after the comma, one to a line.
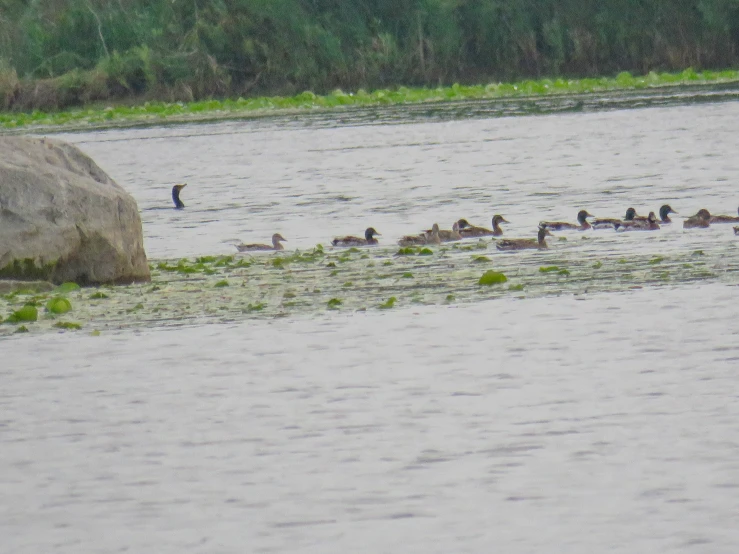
(276,238)
(648,224)
(582,216)
(724,218)
(524,244)
(178,204)
(700,220)
(664,214)
(432,237)
(368,240)
(446,235)
(609,223)
(467,230)
(736,230)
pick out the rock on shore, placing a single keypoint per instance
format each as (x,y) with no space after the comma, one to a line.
(63,219)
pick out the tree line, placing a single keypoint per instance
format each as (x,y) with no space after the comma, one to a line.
(55,53)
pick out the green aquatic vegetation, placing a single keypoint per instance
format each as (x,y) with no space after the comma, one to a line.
(258,307)
(66,288)
(58,305)
(406,251)
(492,278)
(449,298)
(334,303)
(562,239)
(68,325)
(26,313)
(563,272)
(136,308)
(348,284)
(517,287)
(548,269)
(480,259)
(698,253)
(389,303)
(330,264)
(656,260)
(101,295)
(426,252)
(407,275)
(222,283)
(21,329)
(387,262)
(597,265)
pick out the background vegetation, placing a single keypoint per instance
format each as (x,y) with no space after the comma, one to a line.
(59,53)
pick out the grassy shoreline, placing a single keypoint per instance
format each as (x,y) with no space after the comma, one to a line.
(158,113)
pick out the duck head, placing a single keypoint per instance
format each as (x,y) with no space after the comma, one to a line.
(544,232)
(498,219)
(630,214)
(582,215)
(703,214)
(664,211)
(652,218)
(277,238)
(463,224)
(370,232)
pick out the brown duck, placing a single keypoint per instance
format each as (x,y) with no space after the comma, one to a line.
(701,219)
(276,238)
(582,223)
(368,240)
(524,244)
(467,230)
(648,224)
(724,218)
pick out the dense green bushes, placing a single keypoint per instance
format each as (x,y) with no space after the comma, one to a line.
(59,53)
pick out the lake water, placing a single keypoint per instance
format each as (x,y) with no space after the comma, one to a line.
(604,422)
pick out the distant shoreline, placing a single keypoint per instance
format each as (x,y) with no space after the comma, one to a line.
(105,116)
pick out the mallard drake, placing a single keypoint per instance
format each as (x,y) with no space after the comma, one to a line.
(664,214)
(276,238)
(700,220)
(609,223)
(582,216)
(430,237)
(648,224)
(445,235)
(523,244)
(176,196)
(467,230)
(368,240)
(724,218)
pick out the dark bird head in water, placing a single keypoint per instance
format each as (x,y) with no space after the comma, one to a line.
(498,219)
(582,215)
(630,214)
(703,214)
(176,195)
(664,211)
(370,232)
(463,224)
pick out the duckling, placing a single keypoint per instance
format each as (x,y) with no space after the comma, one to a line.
(724,218)
(368,240)
(648,224)
(276,238)
(700,220)
(467,230)
(176,196)
(446,235)
(582,216)
(664,217)
(609,223)
(431,238)
(523,244)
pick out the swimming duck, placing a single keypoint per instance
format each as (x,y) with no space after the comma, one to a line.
(582,216)
(176,196)
(724,218)
(445,235)
(467,230)
(431,237)
(701,219)
(276,238)
(664,217)
(609,223)
(648,224)
(736,230)
(523,244)
(368,240)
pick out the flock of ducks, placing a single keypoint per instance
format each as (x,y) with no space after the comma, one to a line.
(462,229)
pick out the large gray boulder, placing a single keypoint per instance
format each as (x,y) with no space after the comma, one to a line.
(63,219)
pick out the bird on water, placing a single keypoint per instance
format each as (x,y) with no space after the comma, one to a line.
(176,195)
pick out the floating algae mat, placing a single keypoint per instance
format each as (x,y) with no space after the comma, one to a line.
(284,284)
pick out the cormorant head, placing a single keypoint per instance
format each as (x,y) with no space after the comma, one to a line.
(176,195)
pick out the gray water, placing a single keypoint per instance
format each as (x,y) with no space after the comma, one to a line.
(593,423)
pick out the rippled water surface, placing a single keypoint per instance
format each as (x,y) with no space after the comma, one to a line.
(599,422)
